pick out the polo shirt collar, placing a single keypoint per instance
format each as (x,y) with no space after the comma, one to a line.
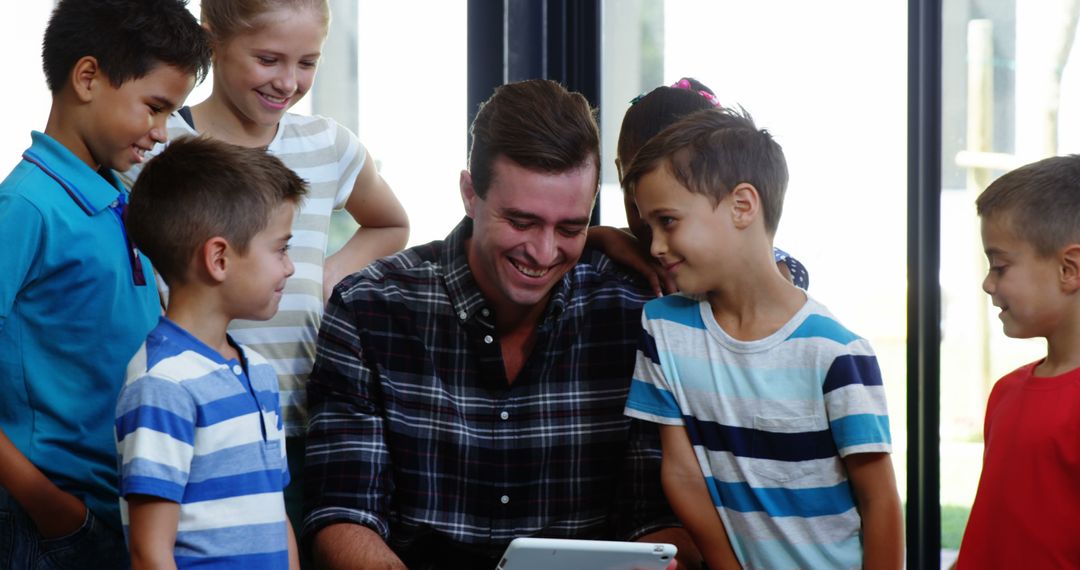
(93,192)
(181,340)
(465,295)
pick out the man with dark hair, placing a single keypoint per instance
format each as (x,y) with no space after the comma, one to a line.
(469,391)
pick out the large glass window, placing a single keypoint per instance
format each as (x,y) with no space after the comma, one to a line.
(25,104)
(834,95)
(1010,92)
(412,78)
(827,78)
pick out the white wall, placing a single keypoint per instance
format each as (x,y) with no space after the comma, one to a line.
(26,100)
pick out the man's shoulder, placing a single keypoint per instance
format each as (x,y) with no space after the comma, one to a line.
(597,272)
(424,259)
(418,268)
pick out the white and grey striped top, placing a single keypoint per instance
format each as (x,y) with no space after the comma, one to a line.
(329,158)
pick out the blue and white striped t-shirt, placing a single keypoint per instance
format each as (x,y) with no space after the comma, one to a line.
(199,430)
(770,421)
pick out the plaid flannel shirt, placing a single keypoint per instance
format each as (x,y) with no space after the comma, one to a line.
(416,433)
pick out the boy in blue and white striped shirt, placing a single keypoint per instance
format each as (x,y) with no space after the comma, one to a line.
(773,420)
(198,422)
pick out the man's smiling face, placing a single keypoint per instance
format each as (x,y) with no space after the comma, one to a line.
(528,231)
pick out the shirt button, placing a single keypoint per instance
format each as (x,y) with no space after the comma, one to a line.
(504,415)
(488,339)
(485,312)
(237,370)
(504,499)
(463,315)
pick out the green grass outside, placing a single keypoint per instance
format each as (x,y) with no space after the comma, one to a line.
(953,520)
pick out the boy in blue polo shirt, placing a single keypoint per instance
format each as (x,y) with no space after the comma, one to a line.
(76,298)
(772,415)
(198,422)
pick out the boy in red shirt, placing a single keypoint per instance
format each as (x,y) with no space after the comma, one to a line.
(1027,509)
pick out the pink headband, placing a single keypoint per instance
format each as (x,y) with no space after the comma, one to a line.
(685,84)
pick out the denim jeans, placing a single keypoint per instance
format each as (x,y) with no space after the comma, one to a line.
(94,545)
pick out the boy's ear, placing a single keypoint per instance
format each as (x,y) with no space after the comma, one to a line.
(84,76)
(1069,258)
(214,258)
(211,39)
(745,205)
(468,194)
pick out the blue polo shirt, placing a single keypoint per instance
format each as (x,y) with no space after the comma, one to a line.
(204,431)
(76,302)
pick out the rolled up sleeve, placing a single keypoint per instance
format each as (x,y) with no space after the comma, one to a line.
(347,467)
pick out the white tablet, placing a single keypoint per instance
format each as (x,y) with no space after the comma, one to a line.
(567,554)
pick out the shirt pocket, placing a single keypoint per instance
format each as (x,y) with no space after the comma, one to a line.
(770,449)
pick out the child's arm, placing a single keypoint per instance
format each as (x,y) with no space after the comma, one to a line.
(874,483)
(624,248)
(294,552)
(685,488)
(152,531)
(349,545)
(55,513)
(688,557)
(384,227)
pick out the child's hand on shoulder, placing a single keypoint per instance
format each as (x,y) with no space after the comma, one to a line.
(623,248)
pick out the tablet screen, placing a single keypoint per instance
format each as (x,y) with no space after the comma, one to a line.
(567,554)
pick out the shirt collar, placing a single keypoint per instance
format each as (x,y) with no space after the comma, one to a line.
(93,192)
(465,295)
(168,331)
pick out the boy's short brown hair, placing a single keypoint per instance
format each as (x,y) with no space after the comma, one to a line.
(536,123)
(1040,202)
(199,188)
(710,152)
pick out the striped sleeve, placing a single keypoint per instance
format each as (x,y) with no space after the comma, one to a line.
(650,397)
(351,157)
(855,402)
(155,434)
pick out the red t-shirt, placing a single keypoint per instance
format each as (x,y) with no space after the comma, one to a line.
(1027,510)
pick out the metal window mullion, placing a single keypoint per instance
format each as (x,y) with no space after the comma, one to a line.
(924,291)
